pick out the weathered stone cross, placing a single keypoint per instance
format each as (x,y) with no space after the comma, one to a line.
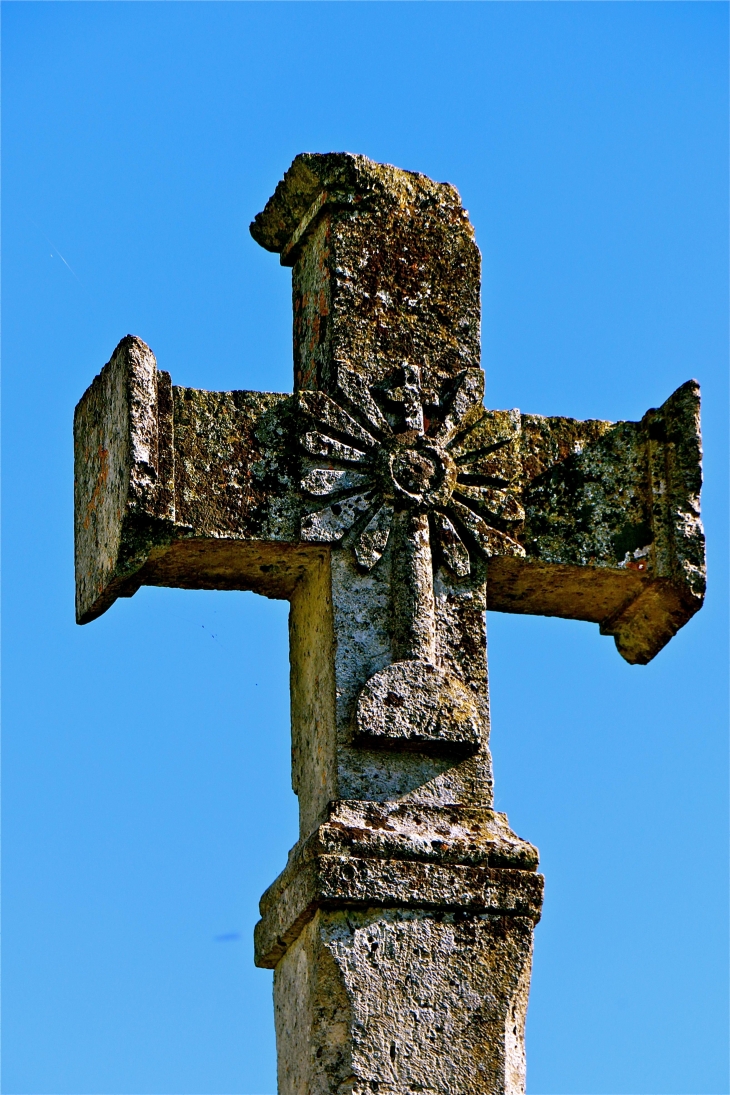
(391,509)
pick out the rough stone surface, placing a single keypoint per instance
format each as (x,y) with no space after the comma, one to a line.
(392,509)
(404,1000)
(414,705)
(397,854)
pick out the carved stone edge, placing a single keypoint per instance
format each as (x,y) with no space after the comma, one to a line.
(331,199)
(317,179)
(400,856)
(331,881)
(674,451)
(414,705)
(123,452)
(645,625)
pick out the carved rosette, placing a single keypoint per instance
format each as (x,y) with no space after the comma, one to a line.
(402,447)
(402,463)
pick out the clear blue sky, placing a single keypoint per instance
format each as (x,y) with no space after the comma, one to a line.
(146,775)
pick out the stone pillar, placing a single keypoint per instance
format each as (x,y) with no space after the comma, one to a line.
(402,959)
(401,930)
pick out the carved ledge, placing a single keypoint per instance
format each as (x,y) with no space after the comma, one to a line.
(400,855)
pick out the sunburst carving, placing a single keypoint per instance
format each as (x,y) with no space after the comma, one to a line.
(403,446)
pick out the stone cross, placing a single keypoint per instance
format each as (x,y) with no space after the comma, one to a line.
(391,509)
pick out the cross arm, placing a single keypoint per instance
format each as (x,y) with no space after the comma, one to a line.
(181,487)
(612,529)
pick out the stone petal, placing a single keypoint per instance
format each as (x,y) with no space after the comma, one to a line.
(319,445)
(324,481)
(453,550)
(465,402)
(328,413)
(330,524)
(492,428)
(501,504)
(490,540)
(355,387)
(371,542)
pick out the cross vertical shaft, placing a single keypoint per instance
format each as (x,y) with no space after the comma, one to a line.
(406,966)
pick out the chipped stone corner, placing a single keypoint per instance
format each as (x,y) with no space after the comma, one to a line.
(122,475)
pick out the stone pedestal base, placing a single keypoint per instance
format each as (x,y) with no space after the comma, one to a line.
(408,973)
(404,1000)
